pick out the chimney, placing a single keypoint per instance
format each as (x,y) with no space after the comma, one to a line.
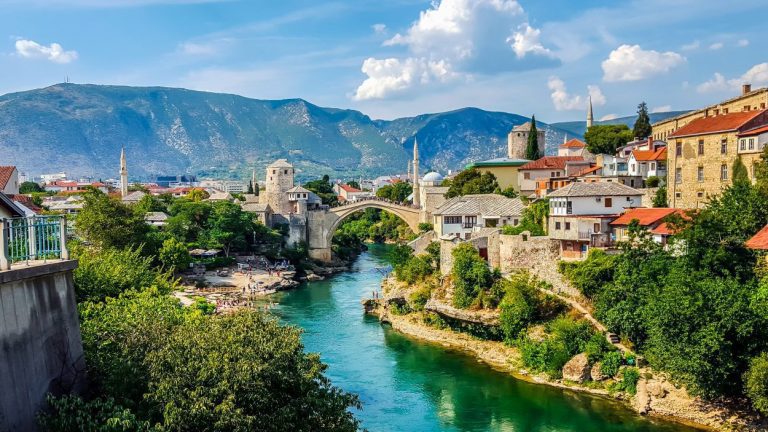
(746,88)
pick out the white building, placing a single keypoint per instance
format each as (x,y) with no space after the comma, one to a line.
(648,163)
(49,178)
(461,216)
(346,192)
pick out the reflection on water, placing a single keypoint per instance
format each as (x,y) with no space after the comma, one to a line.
(407,385)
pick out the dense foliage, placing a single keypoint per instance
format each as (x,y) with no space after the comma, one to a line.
(29,187)
(471,275)
(397,192)
(324,189)
(607,138)
(471,182)
(534,217)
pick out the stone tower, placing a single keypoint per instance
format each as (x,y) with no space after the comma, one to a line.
(517,141)
(416,192)
(279,180)
(123,174)
(590,120)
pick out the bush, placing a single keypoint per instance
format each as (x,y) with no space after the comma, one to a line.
(573,334)
(517,312)
(756,383)
(415,270)
(547,356)
(419,298)
(425,227)
(652,181)
(611,363)
(399,309)
(471,275)
(590,275)
(433,250)
(73,414)
(630,379)
(436,321)
(597,347)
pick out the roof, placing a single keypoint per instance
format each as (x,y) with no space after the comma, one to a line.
(220,196)
(714,124)
(523,127)
(581,189)
(134,196)
(7,202)
(482,204)
(756,131)
(280,163)
(6,172)
(155,216)
(298,189)
(433,177)
(254,207)
(349,189)
(25,202)
(644,216)
(574,144)
(588,170)
(650,155)
(759,240)
(499,162)
(550,162)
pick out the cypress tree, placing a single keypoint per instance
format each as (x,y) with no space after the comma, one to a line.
(642,127)
(532,149)
(250,186)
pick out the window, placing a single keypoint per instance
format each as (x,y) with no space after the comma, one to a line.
(567,226)
(746,107)
(609,202)
(632,182)
(724,146)
(632,167)
(725,110)
(701,147)
(723,172)
(743,144)
(717,111)
(285,171)
(678,175)
(678,195)
(451,220)
(527,176)
(751,143)
(557,225)
(653,166)
(700,174)
(470,221)
(700,194)
(678,149)
(568,207)
(515,222)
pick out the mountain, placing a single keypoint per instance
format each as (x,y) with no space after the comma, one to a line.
(577,128)
(79,129)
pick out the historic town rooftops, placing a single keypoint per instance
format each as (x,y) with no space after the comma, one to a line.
(482,204)
(298,189)
(25,203)
(650,155)
(155,217)
(582,189)
(551,162)
(644,216)
(220,196)
(500,162)
(349,189)
(709,107)
(573,144)
(714,124)
(759,240)
(6,172)
(280,163)
(756,131)
(135,196)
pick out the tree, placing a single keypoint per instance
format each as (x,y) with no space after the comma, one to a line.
(642,127)
(740,173)
(660,197)
(197,195)
(532,149)
(756,382)
(174,255)
(470,273)
(397,192)
(324,189)
(228,227)
(354,184)
(108,223)
(425,227)
(250,187)
(472,182)
(605,139)
(29,187)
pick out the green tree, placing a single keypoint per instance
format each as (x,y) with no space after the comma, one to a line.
(250,187)
(174,255)
(532,148)
(197,195)
(756,382)
(425,227)
(74,414)
(108,223)
(605,139)
(228,227)
(472,182)
(470,273)
(740,173)
(660,197)
(397,192)
(29,187)
(324,189)
(354,184)
(642,128)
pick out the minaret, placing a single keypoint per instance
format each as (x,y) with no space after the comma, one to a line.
(254,184)
(123,174)
(589,114)
(416,192)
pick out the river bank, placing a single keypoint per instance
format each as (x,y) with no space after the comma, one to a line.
(656,396)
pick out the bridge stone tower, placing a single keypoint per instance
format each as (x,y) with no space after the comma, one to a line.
(279,179)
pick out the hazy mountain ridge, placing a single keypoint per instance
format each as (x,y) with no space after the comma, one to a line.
(80,129)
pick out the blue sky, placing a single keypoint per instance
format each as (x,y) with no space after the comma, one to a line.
(394,58)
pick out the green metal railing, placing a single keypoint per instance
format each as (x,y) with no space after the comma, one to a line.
(34,238)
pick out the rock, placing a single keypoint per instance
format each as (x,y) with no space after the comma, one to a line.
(642,398)
(596,374)
(314,277)
(577,369)
(657,390)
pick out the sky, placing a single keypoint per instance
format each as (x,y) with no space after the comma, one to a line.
(398,58)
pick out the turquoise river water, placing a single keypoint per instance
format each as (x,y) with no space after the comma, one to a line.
(408,385)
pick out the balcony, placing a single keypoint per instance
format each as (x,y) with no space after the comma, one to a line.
(599,240)
(32,240)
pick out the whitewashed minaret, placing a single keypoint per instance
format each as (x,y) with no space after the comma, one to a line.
(254,183)
(416,192)
(123,174)
(590,120)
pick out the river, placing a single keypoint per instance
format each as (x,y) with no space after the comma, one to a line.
(408,385)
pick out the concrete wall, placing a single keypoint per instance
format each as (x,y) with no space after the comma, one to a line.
(40,346)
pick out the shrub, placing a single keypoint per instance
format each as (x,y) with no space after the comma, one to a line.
(399,309)
(652,181)
(611,363)
(433,250)
(597,346)
(756,383)
(630,379)
(434,320)
(425,227)
(573,334)
(73,414)
(419,298)
(590,275)
(415,270)
(519,305)
(470,273)
(547,356)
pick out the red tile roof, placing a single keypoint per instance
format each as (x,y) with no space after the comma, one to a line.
(645,216)
(574,143)
(663,229)
(650,155)
(590,170)
(5,175)
(759,240)
(550,162)
(26,202)
(753,132)
(347,188)
(718,123)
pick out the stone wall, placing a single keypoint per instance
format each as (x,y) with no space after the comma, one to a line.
(648,195)
(40,346)
(538,255)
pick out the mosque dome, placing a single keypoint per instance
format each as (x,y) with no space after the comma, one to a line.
(432,177)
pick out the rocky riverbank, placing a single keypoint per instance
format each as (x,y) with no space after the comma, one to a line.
(656,395)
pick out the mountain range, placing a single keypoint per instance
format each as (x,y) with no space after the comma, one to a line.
(80,129)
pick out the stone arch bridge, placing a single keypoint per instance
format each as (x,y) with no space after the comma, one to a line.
(322,224)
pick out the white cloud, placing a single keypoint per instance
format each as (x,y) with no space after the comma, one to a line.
(565,101)
(662,109)
(716,46)
(379,28)
(609,117)
(632,63)
(389,76)
(742,43)
(204,49)
(691,46)
(756,75)
(53,52)
(526,40)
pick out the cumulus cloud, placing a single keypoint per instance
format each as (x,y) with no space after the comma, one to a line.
(662,109)
(716,46)
(756,75)
(379,28)
(526,40)
(389,76)
(460,38)
(632,63)
(53,52)
(565,101)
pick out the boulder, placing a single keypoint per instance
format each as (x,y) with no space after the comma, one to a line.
(577,369)
(657,390)
(596,373)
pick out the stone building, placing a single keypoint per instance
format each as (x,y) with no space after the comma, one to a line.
(279,180)
(517,141)
(432,195)
(701,155)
